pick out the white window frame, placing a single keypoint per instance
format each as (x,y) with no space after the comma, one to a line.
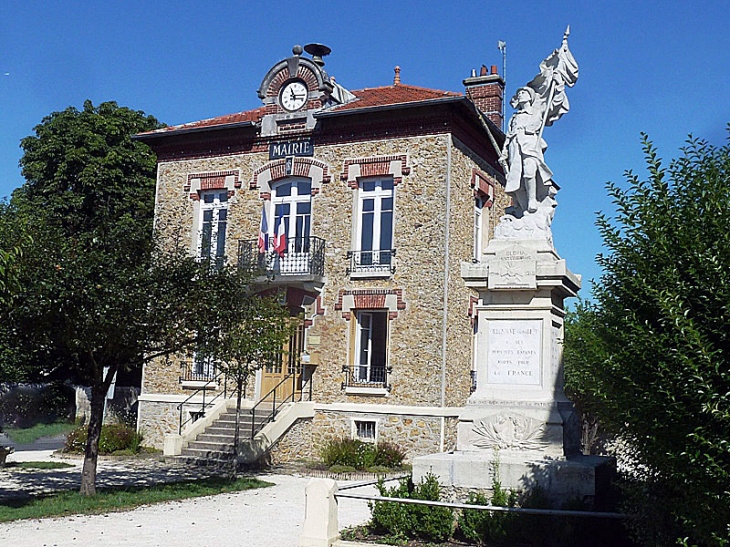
(362,372)
(365,423)
(381,260)
(479,219)
(216,206)
(294,199)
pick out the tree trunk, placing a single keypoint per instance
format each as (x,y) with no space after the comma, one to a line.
(237,430)
(91,453)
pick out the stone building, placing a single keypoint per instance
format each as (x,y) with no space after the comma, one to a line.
(370,201)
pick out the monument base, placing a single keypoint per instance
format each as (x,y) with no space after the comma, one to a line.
(561,479)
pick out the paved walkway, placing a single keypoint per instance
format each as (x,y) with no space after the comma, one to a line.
(266,517)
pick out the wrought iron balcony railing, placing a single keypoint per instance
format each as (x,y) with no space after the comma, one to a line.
(363,376)
(198,372)
(303,257)
(371,262)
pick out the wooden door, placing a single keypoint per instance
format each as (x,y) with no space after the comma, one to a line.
(283,364)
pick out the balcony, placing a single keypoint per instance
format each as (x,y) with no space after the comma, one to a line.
(302,264)
(363,380)
(371,263)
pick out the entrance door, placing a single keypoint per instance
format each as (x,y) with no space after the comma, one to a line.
(283,364)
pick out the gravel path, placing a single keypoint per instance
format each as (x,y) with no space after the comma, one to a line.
(266,517)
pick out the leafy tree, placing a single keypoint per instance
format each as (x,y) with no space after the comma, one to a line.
(256,335)
(98,294)
(656,361)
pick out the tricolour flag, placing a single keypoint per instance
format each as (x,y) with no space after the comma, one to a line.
(263,232)
(280,237)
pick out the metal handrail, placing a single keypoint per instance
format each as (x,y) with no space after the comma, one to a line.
(491,508)
(204,405)
(381,378)
(275,408)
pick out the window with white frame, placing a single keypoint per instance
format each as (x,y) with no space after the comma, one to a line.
(374,232)
(292,200)
(365,430)
(479,219)
(371,347)
(213,224)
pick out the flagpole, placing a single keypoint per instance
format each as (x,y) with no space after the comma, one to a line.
(552,88)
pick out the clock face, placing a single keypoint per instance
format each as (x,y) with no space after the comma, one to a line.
(293,96)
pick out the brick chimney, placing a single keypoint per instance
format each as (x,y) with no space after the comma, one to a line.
(486,91)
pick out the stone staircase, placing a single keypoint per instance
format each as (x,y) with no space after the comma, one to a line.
(215,445)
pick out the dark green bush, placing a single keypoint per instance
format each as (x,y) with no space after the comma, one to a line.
(114,438)
(401,521)
(361,455)
(482,526)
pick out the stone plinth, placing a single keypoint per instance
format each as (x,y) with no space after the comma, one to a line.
(518,414)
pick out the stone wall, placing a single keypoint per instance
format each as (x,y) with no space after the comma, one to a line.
(156,419)
(416,435)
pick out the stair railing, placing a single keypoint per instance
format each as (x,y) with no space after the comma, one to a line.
(204,405)
(276,407)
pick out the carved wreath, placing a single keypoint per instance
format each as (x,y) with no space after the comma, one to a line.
(509,431)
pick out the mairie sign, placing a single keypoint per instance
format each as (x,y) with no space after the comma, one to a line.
(293,148)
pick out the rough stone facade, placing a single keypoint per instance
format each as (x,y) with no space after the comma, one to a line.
(432,154)
(416,435)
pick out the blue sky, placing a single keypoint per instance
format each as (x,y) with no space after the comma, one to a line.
(655,67)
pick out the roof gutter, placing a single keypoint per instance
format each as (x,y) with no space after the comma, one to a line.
(189,130)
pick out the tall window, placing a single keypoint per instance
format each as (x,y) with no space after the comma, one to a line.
(292,201)
(478,227)
(375,226)
(213,222)
(371,346)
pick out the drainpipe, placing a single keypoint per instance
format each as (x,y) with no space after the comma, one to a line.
(446,292)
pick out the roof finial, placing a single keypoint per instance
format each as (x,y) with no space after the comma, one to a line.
(396,80)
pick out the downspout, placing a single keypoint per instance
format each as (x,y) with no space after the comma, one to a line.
(444,324)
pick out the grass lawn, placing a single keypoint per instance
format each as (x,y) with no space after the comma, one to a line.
(38,465)
(119,499)
(31,434)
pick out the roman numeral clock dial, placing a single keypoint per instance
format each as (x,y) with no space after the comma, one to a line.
(293,96)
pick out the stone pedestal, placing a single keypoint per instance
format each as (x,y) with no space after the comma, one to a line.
(519,414)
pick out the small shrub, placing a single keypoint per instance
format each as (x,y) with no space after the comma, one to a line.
(361,455)
(401,521)
(114,438)
(389,455)
(482,526)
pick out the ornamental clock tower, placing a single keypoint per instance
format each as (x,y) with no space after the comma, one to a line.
(295,88)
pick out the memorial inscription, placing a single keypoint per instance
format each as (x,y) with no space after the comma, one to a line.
(514,352)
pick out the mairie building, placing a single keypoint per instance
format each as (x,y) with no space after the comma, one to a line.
(359,207)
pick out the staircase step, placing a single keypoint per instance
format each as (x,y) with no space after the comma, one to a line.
(212,446)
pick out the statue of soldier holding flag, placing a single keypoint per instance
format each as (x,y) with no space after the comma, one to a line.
(538,104)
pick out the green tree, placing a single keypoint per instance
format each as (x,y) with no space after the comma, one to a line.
(98,294)
(255,336)
(656,361)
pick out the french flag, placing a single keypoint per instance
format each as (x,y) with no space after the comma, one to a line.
(280,237)
(263,232)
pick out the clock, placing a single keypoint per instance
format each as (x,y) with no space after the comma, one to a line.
(293,96)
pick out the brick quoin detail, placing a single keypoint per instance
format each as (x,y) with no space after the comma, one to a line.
(215,180)
(375,167)
(301,167)
(370,299)
(483,186)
